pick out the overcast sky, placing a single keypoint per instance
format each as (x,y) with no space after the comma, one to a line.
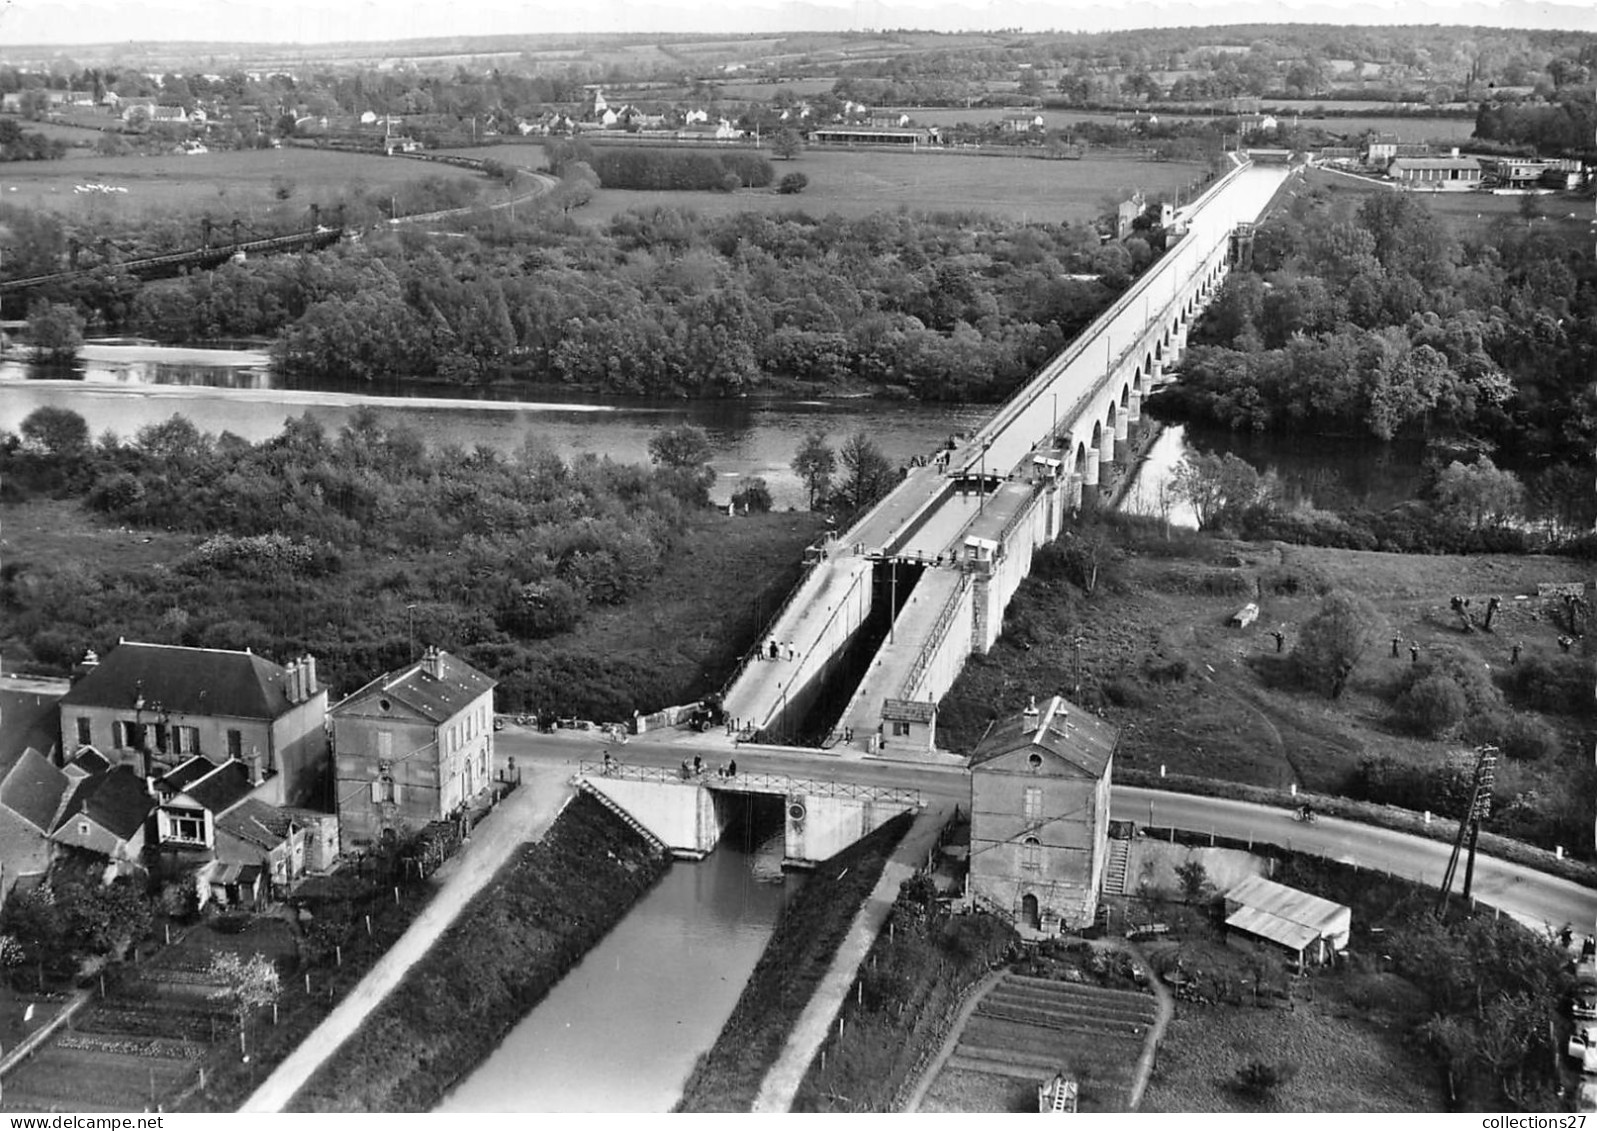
(320,21)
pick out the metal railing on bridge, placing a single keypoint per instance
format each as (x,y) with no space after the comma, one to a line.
(774,784)
(934,638)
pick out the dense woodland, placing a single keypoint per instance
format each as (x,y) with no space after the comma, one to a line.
(318,543)
(658,301)
(1368,317)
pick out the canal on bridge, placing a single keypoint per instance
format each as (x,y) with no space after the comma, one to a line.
(623,1029)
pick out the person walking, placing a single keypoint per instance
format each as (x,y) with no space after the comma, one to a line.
(732,769)
(698,765)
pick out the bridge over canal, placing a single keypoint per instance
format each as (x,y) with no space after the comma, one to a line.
(687,812)
(882,623)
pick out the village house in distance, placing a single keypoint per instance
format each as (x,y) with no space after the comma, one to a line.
(411,747)
(1039,816)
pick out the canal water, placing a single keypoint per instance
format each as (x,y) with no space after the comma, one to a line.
(624,1028)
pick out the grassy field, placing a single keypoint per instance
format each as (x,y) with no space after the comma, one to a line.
(1199,697)
(1345,1063)
(237,180)
(859,183)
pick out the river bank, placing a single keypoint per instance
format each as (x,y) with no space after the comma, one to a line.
(536,919)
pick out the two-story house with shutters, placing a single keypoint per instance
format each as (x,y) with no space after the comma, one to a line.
(153,706)
(412,746)
(1039,815)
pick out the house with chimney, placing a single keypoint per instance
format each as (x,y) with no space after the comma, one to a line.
(411,747)
(1039,816)
(107,815)
(152,707)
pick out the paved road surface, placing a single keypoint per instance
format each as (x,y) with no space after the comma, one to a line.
(525,816)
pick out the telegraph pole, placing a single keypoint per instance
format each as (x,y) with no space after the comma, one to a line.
(1469,827)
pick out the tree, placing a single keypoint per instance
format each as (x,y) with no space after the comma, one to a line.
(792,184)
(244,984)
(787,144)
(867,476)
(754,496)
(1218,486)
(814,463)
(1433,706)
(1194,880)
(1332,641)
(1479,494)
(59,431)
(683,456)
(684,448)
(1259,1080)
(56,332)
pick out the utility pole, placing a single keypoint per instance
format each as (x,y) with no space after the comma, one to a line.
(1469,826)
(892,601)
(410,623)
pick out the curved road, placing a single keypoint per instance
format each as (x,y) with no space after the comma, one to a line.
(1534,898)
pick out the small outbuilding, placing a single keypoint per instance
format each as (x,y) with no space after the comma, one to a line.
(1310,928)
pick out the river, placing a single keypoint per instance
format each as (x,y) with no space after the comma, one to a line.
(122,387)
(623,1029)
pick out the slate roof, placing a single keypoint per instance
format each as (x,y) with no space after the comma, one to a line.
(255,822)
(186,773)
(89,761)
(33,790)
(223,788)
(116,801)
(190,681)
(436,699)
(29,714)
(1059,727)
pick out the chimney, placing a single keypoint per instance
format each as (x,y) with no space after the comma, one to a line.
(1455,151)
(291,681)
(432,662)
(1030,713)
(308,666)
(255,766)
(85,666)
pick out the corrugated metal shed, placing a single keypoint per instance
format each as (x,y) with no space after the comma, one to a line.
(1292,918)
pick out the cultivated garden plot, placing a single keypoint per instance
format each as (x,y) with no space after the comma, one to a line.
(1026,1029)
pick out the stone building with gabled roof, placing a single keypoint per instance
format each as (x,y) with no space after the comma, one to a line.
(412,746)
(1039,815)
(154,706)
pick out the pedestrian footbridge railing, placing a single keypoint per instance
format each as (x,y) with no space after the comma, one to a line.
(775,784)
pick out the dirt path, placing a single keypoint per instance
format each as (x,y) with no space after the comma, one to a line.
(1150,1045)
(781,1083)
(950,1042)
(522,819)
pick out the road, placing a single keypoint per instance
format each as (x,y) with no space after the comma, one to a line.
(1534,898)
